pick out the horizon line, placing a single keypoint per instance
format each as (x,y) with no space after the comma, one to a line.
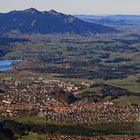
(74,14)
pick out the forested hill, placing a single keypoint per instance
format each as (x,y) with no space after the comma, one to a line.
(32,21)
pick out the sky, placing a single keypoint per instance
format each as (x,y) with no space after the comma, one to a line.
(91,7)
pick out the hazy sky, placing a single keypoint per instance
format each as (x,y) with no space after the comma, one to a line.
(99,7)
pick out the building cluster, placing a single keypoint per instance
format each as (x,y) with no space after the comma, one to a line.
(63,137)
(91,113)
(32,95)
(38,97)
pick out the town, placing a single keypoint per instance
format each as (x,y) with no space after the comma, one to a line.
(58,101)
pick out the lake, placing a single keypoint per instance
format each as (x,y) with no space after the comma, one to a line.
(6,65)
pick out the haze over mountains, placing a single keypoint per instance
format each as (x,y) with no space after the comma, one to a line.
(32,21)
(110,19)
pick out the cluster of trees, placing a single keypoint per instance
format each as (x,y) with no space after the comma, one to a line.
(117,60)
(8,40)
(109,91)
(11,129)
(5,133)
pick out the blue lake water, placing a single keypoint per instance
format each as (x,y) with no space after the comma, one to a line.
(6,65)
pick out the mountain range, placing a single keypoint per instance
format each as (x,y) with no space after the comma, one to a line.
(110,18)
(32,21)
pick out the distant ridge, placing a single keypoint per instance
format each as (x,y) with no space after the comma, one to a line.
(32,21)
(110,18)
